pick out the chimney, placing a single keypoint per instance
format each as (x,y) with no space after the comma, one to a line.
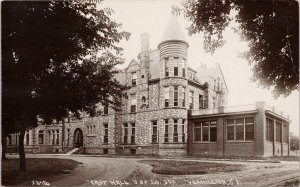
(145,42)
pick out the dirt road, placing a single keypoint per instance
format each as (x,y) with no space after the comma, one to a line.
(104,171)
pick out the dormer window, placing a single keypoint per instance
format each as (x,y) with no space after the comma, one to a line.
(133,78)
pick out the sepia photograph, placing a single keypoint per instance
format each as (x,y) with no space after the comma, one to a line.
(144,93)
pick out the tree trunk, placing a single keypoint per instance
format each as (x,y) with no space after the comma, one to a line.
(22,151)
(3,145)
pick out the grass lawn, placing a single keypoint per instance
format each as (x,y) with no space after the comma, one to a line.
(172,167)
(37,169)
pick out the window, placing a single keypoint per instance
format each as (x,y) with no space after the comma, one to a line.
(183,131)
(197,132)
(249,129)
(57,137)
(183,96)
(142,76)
(144,100)
(191,100)
(175,95)
(26,138)
(285,134)
(166,67)
(132,140)
(230,129)
(105,137)
(166,131)
(214,102)
(175,66)
(68,136)
(175,132)
(278,131)
(167,96)
(53,137)
(133,78)
(214,84)
(41,137)
(133,103)
(213,131)
(125,133)
(201,104)
(105,109)
(205,131)
(154,132)
(91,130)
(183,72)
(241,129)
(270,130)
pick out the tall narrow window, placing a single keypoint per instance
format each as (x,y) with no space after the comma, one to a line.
(53,137)
(201,104)
(105,109)
(105,137)
(183,96)
(175,66)
(154,132)
(270,130)
(125,133)
(249,129)
(278,132)
(133,78)
(68,137)
(175,95)
(133,103)
(214,102)
(166,67)
(57,137)
(230,129)
(191,100)
(27,138)
(175,132)
(41,137)
(183,72)
(213,131)
(182,130)
(167,96)
(133,133)
(205,131)
(166,130)
(239,129)
(197,132)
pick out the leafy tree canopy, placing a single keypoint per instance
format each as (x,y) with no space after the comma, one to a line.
(49,62)
(270,27)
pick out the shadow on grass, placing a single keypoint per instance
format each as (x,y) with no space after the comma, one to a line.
(37,169)
(172,167)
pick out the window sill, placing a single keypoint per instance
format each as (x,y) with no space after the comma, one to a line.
(132,112)
(232,141)
(175,107)
(205,142)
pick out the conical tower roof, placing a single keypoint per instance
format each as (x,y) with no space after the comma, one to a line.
(173,30)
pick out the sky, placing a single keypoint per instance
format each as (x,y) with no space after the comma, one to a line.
(151,16)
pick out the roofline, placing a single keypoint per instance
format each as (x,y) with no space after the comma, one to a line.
(278,116)
(173,40)
(224,114)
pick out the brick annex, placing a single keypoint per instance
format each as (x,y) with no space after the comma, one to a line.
(171,110)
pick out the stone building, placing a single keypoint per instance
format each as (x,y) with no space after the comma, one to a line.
(171,109)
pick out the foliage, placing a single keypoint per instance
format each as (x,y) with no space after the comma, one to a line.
(45,68)
(50,66)
(270,27)
(294,142)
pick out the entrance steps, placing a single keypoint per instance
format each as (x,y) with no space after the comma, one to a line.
(72,151)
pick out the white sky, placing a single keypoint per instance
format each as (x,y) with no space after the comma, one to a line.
(151,16)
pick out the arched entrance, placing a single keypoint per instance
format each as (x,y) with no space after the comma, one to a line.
(78,138)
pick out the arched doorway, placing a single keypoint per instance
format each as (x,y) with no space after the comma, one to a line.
(78,138)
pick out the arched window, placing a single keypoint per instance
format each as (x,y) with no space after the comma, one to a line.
(143,100)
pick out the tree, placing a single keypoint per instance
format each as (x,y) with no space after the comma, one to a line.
(271,28)
(294,142)
(50,66)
